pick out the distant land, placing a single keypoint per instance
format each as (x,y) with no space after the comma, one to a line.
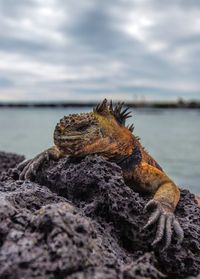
(153,104)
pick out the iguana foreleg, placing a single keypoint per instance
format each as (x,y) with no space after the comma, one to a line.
(163,204)
(29,168)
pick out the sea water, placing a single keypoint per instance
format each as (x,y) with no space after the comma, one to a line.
(172,136)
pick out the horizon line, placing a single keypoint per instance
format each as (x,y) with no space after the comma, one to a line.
(148,104)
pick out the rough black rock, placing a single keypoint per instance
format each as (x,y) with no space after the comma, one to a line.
(79,220)
(9,160)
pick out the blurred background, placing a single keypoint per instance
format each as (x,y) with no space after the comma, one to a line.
(68,55)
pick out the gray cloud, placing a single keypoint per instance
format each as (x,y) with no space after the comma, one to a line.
(91,49)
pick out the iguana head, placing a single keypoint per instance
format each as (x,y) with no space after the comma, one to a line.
(102,131)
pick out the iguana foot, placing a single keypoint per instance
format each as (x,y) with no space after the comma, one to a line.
(29,168)
(165,220)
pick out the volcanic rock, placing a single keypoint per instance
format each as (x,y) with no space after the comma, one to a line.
(9,160)
(78,219)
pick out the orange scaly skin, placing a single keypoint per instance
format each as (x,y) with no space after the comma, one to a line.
(103,132)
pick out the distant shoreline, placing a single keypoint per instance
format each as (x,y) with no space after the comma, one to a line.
(179,104)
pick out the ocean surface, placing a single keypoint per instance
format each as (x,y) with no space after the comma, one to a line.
(172,136)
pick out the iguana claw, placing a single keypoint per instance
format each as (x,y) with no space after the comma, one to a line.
(29,168)
(23,164)
(165,222)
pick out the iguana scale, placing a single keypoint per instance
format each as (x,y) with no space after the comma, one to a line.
(103,132)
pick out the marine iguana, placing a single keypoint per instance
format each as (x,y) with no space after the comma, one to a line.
(104,132)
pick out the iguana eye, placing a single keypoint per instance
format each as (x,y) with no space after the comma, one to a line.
(82,127)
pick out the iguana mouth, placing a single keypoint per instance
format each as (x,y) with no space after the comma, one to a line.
(71,137)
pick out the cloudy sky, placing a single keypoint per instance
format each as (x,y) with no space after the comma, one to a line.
(90,49)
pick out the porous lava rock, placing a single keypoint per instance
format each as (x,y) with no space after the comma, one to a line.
(78,219)
(9,160)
